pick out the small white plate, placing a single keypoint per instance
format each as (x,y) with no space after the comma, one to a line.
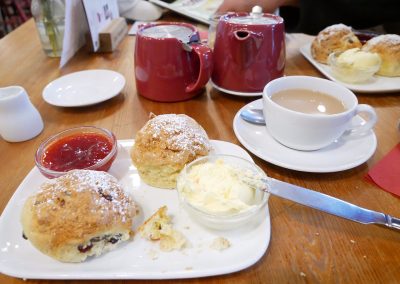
(137,259)
(84,88)
(235,93)
(340,155)
(378,84)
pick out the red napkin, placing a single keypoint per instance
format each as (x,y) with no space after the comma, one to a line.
(386,173)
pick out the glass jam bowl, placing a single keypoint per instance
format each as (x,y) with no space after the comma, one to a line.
(223,192)
(85,147)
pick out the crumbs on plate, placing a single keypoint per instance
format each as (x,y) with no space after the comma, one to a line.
(159,228)
(220,244)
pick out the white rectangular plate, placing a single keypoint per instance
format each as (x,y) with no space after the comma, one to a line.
(378,84)
(200,10)
(137,259)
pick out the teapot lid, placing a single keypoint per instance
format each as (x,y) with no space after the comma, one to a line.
(256,17)
(180,32)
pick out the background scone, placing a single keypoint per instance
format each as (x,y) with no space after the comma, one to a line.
(388,48)
(164,145)
(335,38)
(79,214)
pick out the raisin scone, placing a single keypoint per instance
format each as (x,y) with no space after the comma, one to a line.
(80,214)
(335,38)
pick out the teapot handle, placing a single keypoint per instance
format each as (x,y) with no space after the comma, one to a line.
(205,57)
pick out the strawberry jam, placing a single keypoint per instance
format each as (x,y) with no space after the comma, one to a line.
(77,151)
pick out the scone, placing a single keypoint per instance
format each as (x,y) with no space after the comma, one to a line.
(80,214)
(388,47)
(335,38)
(164,145)
(159,228)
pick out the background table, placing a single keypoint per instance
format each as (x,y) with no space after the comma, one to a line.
(306,245)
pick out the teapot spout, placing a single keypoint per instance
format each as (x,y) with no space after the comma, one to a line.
(247,47)
(242,35)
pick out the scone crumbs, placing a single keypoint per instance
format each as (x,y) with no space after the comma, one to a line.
(220,244)
(302,274)
(152,254)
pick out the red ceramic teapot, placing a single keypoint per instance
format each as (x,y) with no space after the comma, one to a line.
(170,62)
(249,52)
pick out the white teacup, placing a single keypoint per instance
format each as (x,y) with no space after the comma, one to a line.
(305,131)
(19,119)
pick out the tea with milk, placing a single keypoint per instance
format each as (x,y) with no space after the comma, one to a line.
(308,101)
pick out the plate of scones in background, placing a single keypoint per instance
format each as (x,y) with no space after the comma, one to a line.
(126,223)
(363,64)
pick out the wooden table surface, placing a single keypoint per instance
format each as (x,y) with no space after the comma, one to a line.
(306,246)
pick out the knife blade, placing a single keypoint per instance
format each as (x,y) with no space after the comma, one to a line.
(329,204)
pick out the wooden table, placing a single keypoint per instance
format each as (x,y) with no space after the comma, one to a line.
(306,245)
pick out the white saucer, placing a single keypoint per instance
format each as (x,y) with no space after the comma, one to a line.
(340,155)
(235,93)
(84,88)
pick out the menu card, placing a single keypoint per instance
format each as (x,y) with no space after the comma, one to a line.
(99,14)
(76,28)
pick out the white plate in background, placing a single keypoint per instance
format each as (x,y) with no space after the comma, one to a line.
(84,88)
(139,258)
(378,84)
(340,155)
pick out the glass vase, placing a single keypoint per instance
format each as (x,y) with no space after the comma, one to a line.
(49,17)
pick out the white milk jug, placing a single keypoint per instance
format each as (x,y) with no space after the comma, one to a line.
(19,119)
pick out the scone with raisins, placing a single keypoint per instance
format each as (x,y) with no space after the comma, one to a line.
(335,38)
(80,214)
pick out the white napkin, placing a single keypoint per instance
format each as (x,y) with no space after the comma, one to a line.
(139,10)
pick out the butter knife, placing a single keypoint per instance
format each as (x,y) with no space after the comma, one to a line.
(330,204)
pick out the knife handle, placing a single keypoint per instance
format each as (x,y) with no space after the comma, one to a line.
(392,222)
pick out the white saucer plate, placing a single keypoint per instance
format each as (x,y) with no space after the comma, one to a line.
(235,93)
(84,88)
(378,84)
(139,258)
(341,155)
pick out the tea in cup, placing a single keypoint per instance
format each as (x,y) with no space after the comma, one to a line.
(309,113)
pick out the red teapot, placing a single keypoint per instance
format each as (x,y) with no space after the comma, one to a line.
(171,64)
(249,51)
